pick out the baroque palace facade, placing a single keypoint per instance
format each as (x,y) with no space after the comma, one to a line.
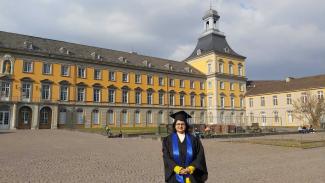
(52,84)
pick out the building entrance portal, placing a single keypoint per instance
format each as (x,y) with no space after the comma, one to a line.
(25,118)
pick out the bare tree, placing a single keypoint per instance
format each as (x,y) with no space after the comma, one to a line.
(310,107)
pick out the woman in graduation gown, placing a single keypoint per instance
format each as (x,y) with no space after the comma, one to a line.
(183,154)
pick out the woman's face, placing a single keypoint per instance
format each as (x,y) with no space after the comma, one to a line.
(180,126)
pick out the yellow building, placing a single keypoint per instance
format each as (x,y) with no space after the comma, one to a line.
(48,84)
(225,72)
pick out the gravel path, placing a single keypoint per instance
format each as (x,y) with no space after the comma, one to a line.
(69,156)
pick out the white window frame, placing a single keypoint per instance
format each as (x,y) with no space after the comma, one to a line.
(161,81)
(81,95)
(192,98)
(111,76)
(275,100)
(202,101)
(171,99)
(149,80)
(125,96)
(222,85)
(124,116)
(111,95)
(65,70)
(182,100)
(137,78)
(289,99)
(171,82)
(320,95)
(251,102)
(45,68)
(232,102)
(192,84)
(47,95)
(96,95)
(149,117)
(222,101)
(161,98)
(95,117)
(149,98)
(28,66)
(137,116)
(110,117)
(138,97)
(97,74)
(28,89)
(82,72)
(80,116)
(5,90)
(181,83)
(262,101)
(232,86)
(221,67)
(64,95)
(125,77)
(231,69)
(202,85)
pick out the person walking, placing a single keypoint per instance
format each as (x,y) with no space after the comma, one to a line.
(183,154)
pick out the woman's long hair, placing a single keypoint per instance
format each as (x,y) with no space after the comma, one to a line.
(187,126)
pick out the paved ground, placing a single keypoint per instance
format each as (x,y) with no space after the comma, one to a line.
(68,156)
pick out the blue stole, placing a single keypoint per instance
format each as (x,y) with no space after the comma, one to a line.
(189,155)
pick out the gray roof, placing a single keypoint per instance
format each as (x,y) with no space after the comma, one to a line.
(281,86)
(42,45)
(216,43)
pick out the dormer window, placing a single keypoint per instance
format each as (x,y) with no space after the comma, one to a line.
(63,50)
(29,45)
(226,49)
(168,66)
(146,63)
(198,52)
(123,59)
(187,69)
(96,56)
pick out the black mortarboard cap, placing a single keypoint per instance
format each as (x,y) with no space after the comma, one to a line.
(181,115)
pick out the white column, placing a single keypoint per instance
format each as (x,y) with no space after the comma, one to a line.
(55,118)
(35,117)
(13,115)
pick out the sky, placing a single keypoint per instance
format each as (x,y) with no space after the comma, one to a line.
(280,38)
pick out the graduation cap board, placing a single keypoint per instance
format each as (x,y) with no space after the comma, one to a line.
(181,115)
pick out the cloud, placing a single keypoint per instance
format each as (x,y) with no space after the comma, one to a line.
(278,37)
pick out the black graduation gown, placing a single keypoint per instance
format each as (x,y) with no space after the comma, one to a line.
(200,174)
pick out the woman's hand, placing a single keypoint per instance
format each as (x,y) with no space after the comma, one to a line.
(184,171)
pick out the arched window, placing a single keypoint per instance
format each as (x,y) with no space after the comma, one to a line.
(124,116)
(80,116)
(210,117)
(160,117)
(202,117)
(45,115)
(137,117)
(95,116)
(149,117)
(63,116)
(110,117)
(222,117)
